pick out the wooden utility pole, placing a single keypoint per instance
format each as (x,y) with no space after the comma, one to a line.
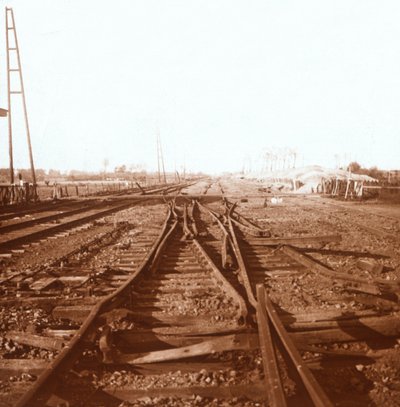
(13,50)
(160,160)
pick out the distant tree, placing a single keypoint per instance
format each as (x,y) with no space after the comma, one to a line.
(122,168)
(105,164)
(4,175)
(54,174)
(40,174)
(354,167)
(26,174)
(337,161)
(292,158)
(374,172)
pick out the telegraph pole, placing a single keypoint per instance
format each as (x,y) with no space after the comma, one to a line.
(160,160)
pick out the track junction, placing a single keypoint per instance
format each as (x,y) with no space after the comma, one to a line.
(198,294)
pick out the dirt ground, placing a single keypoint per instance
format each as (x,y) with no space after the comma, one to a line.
(369,230)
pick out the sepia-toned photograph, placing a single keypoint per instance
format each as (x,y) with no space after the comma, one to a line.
(199,203)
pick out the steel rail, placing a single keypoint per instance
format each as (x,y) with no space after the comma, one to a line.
(241,263)
(56,228)
(274,389)
(231,207)
(23,275)
(316,393)
(226,240)
(216,215)
(186,230)
(39,269)
(262,304)
(40,207)
(374,286)
(47,381)
(242,314)
(49,218)
(232,239)
(192,220)
(251,230)
(245,224)
(169,188)
(220,277)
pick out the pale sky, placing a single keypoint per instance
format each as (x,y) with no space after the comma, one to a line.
(221,80)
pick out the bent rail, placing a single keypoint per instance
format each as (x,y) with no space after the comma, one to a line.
(315,392)
(40,391)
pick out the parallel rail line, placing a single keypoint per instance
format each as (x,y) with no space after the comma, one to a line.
(198,296)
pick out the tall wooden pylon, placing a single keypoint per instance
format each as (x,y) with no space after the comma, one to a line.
(13,50)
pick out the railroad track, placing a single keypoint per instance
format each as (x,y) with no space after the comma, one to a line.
(199,320)
(213,188)
(17,212)
(270,257)
(179,299)
(51,279)
(284,262)
(14,235)
(63,293)
(13,215)
(53,216)
(20,214)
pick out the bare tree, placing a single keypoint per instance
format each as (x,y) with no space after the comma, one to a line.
(105,164)
(294,158)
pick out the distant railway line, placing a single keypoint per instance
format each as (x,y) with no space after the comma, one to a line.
(57,220)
